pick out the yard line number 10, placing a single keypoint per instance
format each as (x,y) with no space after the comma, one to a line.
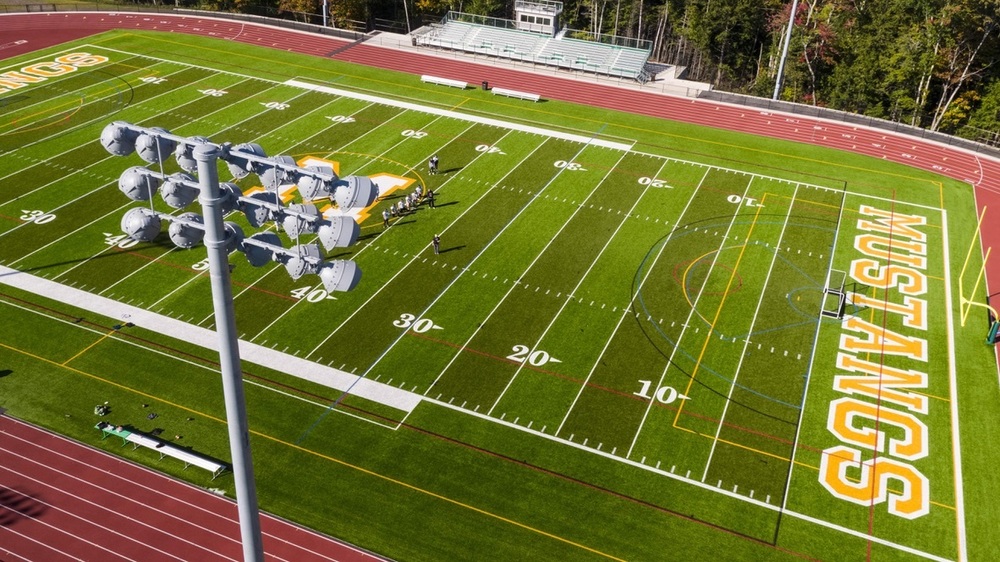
(663,395)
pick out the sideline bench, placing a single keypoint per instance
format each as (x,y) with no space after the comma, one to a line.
(164,448)
(515,94)
(444,82)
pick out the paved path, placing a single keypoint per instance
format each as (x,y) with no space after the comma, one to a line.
(250,352)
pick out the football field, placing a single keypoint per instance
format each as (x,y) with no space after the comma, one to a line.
(631,339)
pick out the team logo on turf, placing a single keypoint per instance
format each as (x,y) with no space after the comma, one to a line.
(387,183)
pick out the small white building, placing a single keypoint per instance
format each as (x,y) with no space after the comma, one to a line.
(540,16)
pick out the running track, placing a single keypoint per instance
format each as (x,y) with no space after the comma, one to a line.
(62,500)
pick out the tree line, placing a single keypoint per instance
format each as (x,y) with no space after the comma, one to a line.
(927,63)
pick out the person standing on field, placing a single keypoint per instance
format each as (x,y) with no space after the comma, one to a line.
(433,164)
(436,241)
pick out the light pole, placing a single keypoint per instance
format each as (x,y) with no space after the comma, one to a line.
(784,51)
(179,190)
(229,353)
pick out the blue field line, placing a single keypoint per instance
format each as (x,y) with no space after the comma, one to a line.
(731,381)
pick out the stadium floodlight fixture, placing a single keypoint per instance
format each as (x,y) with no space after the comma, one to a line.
(301,219)
(119,138)
(141,224)
(262,252)
(355,192)
(185,158)
(317,182)
(338,232)
(258,208)
(237,157)
(154,145)
(277,171)
(187,230)
(342,275)
(179,190)
(198,155)
(137,184)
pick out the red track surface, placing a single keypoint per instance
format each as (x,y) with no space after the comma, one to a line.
(62,500)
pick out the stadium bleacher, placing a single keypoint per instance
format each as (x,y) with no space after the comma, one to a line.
(560,51)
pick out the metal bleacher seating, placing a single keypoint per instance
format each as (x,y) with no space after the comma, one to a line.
(525,46)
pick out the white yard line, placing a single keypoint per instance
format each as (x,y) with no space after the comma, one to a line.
(356,254)
(464,117)
(746,342)
(811,364)
(252,353)
(514,283)
(417,255)
(570,295)
(625,313)
(54,159)
(62,131)
(74,233)
(68,234)
(701,485)
(956,447)
(687,321)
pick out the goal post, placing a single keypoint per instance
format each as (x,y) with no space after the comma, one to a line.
(968,296)
(834,297)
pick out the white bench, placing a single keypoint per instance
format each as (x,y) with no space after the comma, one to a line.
(444,81)
(515,94)
(166,449)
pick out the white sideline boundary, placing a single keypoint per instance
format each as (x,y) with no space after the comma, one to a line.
(202,337)
(461,116)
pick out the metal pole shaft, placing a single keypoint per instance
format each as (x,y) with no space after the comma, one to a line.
(229,353)
(784,51)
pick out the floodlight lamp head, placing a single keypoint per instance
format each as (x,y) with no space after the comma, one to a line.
(118,138)
(338,232)
(311,187)
(138,184)
(179,190)
(186,231)
(185,154)
(355,192)
(154,148)
(259,255)
(271,176)
(239,166)
(258,208)
(234,236)
(302,259)
(229,197)
(141,224)
(300,218)
(339,275)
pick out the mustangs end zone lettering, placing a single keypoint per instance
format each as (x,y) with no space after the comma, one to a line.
(879,423)
(39,72)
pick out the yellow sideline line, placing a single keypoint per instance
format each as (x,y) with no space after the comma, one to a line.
(314,453)
(86,349)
